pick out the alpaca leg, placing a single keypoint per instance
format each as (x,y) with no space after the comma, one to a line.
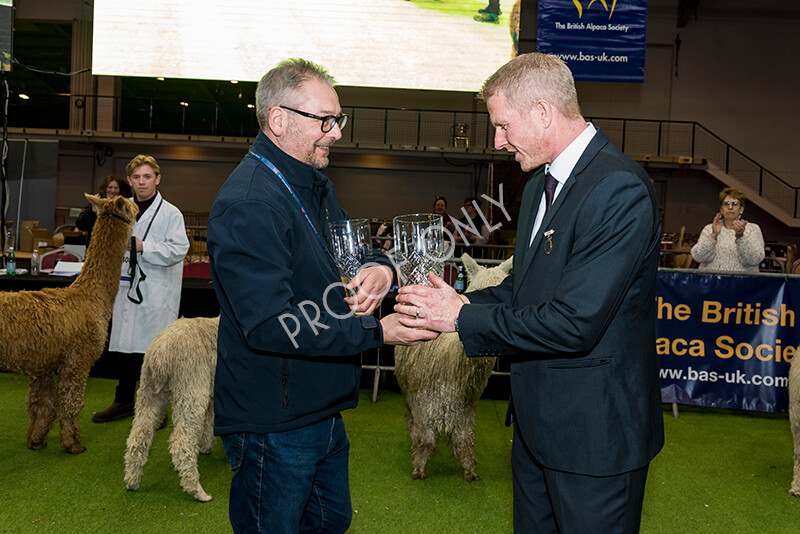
(409,415)
(151,405)
(71,392)
(794,419)
(424,435)
(189,418)
(795,489)
(41,405)
(207,439)
(461,433)
(794,422)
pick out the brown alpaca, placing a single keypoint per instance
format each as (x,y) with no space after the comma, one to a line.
(794,419)
(57,334)
(441,386)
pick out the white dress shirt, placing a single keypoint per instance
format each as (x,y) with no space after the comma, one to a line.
(561,168)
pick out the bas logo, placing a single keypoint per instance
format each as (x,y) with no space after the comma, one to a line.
(605,5)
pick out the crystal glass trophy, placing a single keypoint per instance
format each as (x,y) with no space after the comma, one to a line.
(419,247)
(351,246)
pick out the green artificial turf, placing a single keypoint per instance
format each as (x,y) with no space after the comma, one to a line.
(721,471)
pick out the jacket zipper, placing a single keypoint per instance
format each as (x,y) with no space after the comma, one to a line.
(285,382)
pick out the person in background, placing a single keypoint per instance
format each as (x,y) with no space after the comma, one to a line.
(730,243)
(576,318)
(289,337)
(111,187)
(473,220)
(440,208)
(149,292)
(384,231)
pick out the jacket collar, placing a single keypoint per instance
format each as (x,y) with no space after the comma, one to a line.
(297,173)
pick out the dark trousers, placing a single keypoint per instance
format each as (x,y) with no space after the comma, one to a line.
(130,368)
(494,8)
(547,501)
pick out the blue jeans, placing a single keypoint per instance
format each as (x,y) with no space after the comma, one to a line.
(290,482)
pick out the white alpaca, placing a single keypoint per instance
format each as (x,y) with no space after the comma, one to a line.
(794,419)
(178,367)
(441,386)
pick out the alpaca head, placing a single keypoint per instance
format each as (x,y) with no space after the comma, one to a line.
(119,208)
(481,277)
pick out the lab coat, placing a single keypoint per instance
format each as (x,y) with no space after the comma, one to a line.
(133,326)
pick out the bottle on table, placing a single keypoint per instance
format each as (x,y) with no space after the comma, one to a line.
(35,262)
(11,262)
(460,284)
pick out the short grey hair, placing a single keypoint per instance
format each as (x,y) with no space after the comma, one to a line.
(529,77)
(278,86)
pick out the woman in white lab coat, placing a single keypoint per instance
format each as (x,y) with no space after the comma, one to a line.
(150,284)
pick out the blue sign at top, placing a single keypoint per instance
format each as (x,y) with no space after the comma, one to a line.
(600,40)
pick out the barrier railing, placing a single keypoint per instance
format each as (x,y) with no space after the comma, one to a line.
(419,130)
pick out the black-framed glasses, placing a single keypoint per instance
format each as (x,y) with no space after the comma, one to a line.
(328,121)
(733,203)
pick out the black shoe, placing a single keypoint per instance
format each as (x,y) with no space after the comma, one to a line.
(163,423)
(114,412)
(487,17)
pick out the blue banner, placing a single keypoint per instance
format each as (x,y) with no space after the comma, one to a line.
(726,341)
(600,40)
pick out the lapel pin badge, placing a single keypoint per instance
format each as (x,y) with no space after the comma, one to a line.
(548,241)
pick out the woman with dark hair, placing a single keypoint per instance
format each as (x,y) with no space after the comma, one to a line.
(730,243)
(111,187)
(440,208)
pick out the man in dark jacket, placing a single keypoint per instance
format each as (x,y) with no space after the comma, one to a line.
(577,316)
(289,337)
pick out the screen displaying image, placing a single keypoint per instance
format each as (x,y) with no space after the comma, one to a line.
(416,44)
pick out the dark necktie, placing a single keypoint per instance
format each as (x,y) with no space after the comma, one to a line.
(550,184)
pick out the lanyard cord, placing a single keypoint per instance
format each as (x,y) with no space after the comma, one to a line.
(153,219)
(279,174)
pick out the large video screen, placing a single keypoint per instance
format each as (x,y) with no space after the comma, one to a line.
(417,44)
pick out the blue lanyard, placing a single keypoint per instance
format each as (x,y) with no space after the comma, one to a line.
(279,174)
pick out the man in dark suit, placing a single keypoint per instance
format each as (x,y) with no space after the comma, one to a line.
(577,316)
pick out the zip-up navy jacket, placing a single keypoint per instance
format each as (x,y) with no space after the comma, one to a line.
(285,360)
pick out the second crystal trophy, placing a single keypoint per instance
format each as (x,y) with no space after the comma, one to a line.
(419,247)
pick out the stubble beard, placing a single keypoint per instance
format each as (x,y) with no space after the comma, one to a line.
(318,161)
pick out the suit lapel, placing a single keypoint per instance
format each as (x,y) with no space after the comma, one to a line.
(527,212)
(545,226)
(521,270)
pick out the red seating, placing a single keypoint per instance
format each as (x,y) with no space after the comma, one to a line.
(197,270)
(49,261)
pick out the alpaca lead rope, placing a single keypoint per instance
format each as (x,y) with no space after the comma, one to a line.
(134,265)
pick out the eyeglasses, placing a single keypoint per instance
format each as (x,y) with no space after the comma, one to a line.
(731,203)
(328,121)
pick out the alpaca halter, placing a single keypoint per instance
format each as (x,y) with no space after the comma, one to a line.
(120,217)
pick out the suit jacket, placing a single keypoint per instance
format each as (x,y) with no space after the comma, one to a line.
(578,323)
